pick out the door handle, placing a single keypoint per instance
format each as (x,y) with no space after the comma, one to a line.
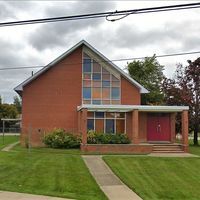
(158,128)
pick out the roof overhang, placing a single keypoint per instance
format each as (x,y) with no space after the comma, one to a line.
(19,88)
(128,108)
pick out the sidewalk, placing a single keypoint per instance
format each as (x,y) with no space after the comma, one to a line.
(109,183)
(21,196)
(182,155)
(10,146)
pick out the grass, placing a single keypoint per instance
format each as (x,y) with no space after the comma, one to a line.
(194,149)
(8,140)
(51,173)
(19,148)
(159,178)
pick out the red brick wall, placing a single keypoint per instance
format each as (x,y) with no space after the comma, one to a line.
(130,94)
(51,100)
(117,148)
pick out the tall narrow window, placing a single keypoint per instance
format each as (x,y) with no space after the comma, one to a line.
(99,85)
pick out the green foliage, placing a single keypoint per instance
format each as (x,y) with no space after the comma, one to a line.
(18,104)
(184,89)
(148,73)
(103,138)
(59,138)
(8,111)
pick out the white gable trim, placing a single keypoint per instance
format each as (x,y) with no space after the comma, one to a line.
(83,42)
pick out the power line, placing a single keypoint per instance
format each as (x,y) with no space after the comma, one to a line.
(114,60)
(122,13)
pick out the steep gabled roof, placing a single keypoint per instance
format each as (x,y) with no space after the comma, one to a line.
(19,88)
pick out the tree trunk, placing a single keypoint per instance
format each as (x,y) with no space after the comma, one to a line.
(196,135)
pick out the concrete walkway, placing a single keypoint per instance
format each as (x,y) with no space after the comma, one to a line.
(182,155)
(109,183)
(21,196)
(10,146)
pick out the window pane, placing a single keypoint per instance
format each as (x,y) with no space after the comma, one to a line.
(106,83)
(96,76)
(115,83)
(99,125)
(115,102)
(120,126)
(110,115)
(90,114)
(86,101)
(90,124)
(87,83)
(96,93)
(96,83)
(99,114)
(106,102)
(87,65)
(85,56)
(87,76)
(96,102)
(96,67)
(104,71)
(109,125)
(106,77)
(115,93)
(114,78)
(120,115)
(106,93)
(87,93)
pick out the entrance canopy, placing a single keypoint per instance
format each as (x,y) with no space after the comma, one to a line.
(128,108)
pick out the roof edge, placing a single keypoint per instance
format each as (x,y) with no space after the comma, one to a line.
(19,88)
(126,108)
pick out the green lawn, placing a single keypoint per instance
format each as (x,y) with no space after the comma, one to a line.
(19,148)
(159,178)
(8,140)
(194,150)
(50,173)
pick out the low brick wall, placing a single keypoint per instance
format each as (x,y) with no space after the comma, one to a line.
(117,148)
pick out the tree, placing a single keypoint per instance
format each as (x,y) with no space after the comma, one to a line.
(17,103)
(148,73)
(0,100)
(184,89)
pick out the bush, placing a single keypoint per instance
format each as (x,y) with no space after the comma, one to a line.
(103,138)
(59,138)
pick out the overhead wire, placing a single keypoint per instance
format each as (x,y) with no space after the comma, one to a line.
(109,61)
(122,13)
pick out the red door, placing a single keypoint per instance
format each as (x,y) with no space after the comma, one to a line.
(158,127)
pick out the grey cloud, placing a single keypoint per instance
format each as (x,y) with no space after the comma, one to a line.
(5,11)
(167,39)
(61,33)
(12,55)
(9,9)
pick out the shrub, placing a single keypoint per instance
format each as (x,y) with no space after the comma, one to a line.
(103,138)
(59,138)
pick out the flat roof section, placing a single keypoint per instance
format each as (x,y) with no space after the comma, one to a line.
(128,108)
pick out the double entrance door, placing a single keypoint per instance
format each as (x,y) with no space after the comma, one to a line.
(158,127)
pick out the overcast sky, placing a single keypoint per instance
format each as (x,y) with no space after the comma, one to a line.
(134,36)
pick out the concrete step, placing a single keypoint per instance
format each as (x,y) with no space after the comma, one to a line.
(180,151)
(167,148)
